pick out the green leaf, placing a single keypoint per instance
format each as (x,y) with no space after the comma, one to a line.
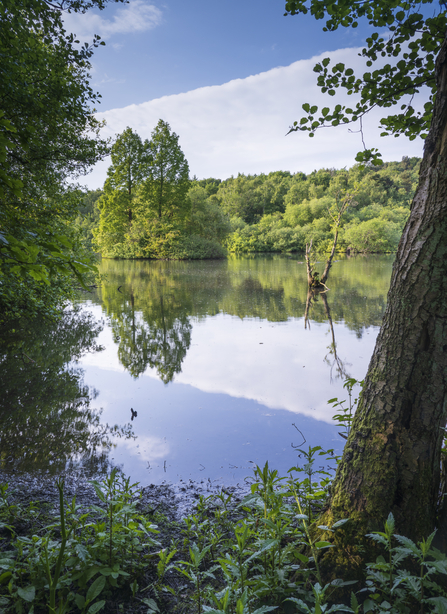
(80,601)
(95,589)
(4,577)
(301,557)
(354,602)
(439,604)
(368,606)
(151,604)
(28,593)
(96,607)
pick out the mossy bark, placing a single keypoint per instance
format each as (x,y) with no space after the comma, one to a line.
(391,461)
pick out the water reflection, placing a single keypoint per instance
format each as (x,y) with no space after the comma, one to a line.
(46,418)
(150,324)
(151,304)
(332,359)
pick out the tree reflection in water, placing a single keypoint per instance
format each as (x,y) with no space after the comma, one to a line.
(332,359)
(46,418)
(151,304)
(150,325)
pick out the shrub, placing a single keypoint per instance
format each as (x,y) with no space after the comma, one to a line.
(375,235)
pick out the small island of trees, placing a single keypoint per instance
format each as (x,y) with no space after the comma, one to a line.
(150,208)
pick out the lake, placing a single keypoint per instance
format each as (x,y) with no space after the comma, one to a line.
(190,370)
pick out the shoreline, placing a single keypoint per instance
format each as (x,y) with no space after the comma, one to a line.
(175,500)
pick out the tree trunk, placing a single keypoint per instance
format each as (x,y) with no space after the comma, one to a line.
(310,275)
(391,462)
(327,268)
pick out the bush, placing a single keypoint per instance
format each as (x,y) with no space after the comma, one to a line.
(374,235)
(193,247)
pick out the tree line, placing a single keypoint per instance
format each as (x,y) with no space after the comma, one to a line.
(149,208)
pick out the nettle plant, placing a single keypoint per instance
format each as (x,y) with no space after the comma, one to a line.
(81,556)
(253,556)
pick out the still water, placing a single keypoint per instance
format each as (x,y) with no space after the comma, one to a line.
(190,370)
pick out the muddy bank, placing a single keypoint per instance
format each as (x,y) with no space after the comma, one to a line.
(175,501)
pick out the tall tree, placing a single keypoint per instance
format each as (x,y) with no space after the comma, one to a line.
(128,166)
(391,461)
(165,190)
(124,175)
(48,132)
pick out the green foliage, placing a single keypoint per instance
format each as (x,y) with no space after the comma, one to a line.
(114,224)
(149,209)
(88,217)
(259,554)
(48,133)
(163,192)
(206,218)
(117,203)
(393,588)
(129,163)
(375,235)
(345,415)
(411,47)
(194,247)
(309,203)
(82,554)
(252,196)
(269,548)
(278,212)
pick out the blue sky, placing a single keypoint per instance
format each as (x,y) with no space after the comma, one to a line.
(230,77)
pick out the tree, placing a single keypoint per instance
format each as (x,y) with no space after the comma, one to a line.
(164,191)
(391,460)
(124,175)
(336,213)
(48,132)
(413,44)
(206,218)
(243,197)
(128,167)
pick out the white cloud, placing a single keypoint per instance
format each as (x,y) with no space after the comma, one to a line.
(240,126)
(147,447)
(137,16)
(279,365)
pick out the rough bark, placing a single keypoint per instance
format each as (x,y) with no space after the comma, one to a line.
(391,461)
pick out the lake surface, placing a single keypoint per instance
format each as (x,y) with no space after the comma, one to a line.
(225,363)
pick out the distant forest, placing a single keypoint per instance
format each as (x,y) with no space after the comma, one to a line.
(278,212)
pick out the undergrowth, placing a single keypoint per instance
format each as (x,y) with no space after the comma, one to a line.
(253,556)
